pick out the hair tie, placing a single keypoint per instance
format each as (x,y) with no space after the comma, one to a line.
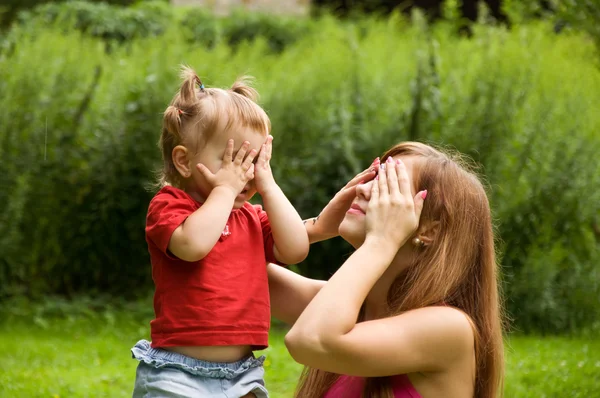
(180,111)
(200,84)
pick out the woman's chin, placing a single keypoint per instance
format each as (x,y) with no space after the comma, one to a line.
(352,233)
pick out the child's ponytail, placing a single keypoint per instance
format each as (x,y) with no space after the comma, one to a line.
(188,93)
(242,86)
(172,121)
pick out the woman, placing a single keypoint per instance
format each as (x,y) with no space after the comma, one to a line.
(414,311)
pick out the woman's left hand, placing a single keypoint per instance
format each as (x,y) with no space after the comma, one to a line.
(393,213)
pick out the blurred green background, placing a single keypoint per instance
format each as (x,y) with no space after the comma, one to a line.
(516,86)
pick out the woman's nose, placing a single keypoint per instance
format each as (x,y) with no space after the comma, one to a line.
(363,190)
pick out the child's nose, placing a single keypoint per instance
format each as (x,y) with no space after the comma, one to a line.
(364,190)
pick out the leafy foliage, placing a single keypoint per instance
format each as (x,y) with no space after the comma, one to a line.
(79,125)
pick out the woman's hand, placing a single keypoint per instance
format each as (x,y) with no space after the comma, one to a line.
(392,213)
(326,225)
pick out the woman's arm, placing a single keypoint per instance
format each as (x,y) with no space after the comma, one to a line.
(325,225)
(290,293)
(326,335)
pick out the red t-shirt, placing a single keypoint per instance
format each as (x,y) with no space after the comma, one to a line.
(222,299)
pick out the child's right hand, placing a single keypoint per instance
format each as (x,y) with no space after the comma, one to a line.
(234,173)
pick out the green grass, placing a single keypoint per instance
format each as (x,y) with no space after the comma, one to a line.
(82,357)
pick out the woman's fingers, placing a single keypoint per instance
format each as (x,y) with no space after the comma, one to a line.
(349,190)
(362,177)
(382,181)
(392,177)
(419,200)
(374,193)
(403,182)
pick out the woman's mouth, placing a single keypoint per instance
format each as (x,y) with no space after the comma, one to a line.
(356,209)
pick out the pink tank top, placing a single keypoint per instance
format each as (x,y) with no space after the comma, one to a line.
(352,387)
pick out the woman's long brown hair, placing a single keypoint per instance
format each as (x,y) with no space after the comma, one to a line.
(459,269)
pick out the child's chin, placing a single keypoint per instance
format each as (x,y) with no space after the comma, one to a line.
(238,204)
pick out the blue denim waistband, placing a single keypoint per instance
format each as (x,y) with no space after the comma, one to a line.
(159,358)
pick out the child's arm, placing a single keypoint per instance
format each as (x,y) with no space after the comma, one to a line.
(289,235)
(199,233)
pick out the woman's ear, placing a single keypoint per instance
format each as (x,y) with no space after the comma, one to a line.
(181,162)
(428,232)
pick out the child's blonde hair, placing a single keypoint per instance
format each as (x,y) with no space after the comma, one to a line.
(197,113)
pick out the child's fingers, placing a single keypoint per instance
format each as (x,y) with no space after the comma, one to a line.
(228,155)
(250,172)
(262,154)
(249,159)
(241,153)
(206,173)
(269,147)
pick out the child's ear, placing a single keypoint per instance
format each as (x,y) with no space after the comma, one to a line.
(181,162)
(428,232)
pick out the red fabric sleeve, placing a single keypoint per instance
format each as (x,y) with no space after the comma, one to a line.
(267,235)
(167,211)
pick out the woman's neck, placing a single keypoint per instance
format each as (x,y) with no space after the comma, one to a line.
(376,303)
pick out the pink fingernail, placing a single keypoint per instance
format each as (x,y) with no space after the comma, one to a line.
(389,160)
(424,194)
(397,161)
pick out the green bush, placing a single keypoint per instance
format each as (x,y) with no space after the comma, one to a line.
(78,132)
(10,9)
(119,25)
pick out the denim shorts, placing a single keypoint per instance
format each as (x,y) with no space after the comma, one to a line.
(167,374)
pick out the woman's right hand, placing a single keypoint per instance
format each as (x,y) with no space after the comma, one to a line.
(393,213)
(326,225)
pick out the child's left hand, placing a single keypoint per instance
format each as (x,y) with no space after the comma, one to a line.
(263,176)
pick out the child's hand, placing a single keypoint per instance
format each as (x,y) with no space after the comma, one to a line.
(234,173)
(264,180)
